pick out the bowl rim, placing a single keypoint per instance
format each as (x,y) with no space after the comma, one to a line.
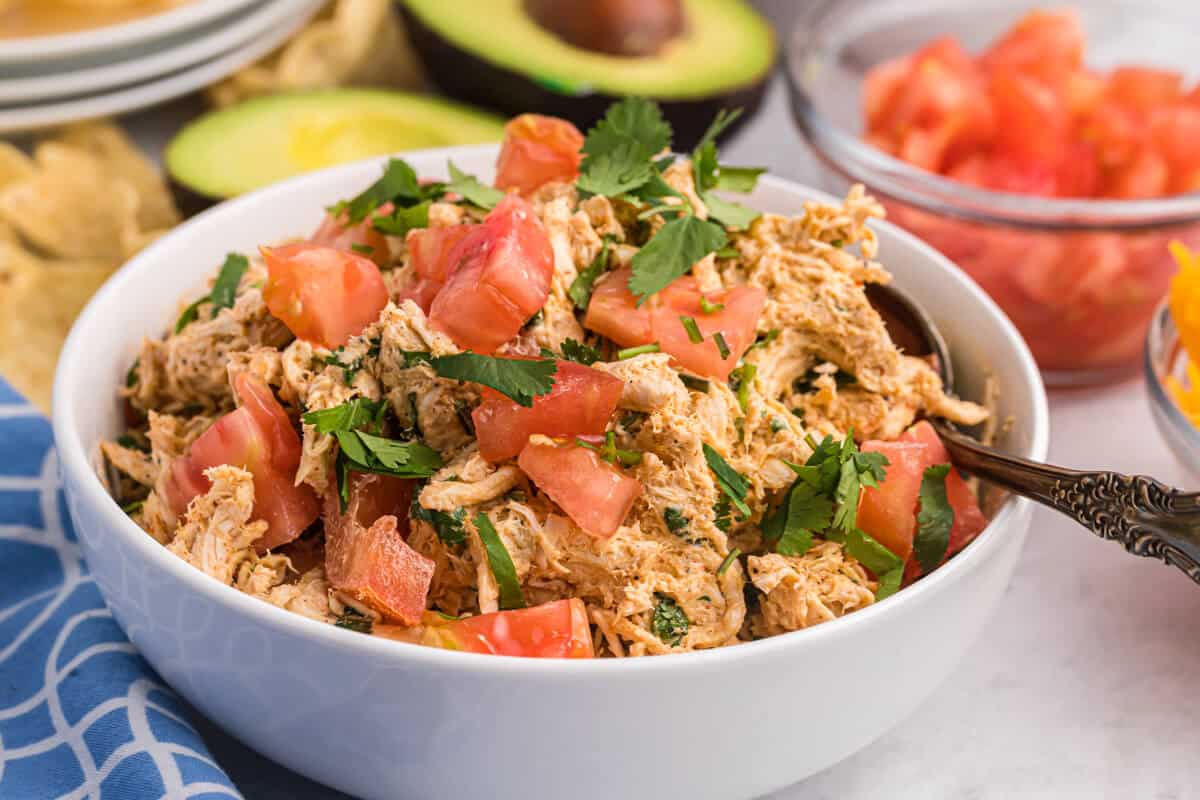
(885,174)
(1162,335)
(77,472)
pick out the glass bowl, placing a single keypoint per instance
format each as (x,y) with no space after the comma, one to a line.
(1165,357)
(1080,278)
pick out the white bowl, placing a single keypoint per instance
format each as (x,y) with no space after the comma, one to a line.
(381,719)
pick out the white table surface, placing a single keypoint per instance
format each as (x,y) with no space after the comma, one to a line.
(1082,686)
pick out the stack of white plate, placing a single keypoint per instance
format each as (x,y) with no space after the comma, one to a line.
(49,80)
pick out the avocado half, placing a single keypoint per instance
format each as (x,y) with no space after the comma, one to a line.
(493,53)
(228,152)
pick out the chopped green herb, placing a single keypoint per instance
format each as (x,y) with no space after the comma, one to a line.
(709,307)
(668,622)
(611,453)
(887,566)
(533,321)
(728,251)
(729,559)
(693,330)
(614,172)
(694,383)
(722,346)
(471,189)
(741,379)
(398,185)
(580,290)
(411,358)
(366,452)
(671,253)
(676,522)
(709,174)
(723,514)
(501,563)
(836,243)
(777,424)
(134,507)
(352,620)
(631,352)
(365,249)
(580,352)
(731,482)
(131,377)
(858,470)
(349,368)
(448,526)
(935,519)
(764,339)
(619,147)
(631,419)
(351,415)
(731,215)
(520,380)
(223,293)
(403,219)
(671,210)
(463,412)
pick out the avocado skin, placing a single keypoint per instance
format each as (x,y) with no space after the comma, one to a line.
(188,200)
(465,76)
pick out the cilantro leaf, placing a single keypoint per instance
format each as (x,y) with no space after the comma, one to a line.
(935,519)
(352,620)
(501,563)
(631,120)
(721,121)
(471,189)
(224,291)
(857,471)
(738,179)
(616,172)
(365,452)
(731,482)
(520,380)
(671,253)
(399,182)
(887,566)
(727,562)
(403,219)
(579,352)
(676,522)
(730,214)
(669,622)
(351,415)
(803,512)
(580,290)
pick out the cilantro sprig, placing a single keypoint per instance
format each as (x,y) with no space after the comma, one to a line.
(823,500)
(669,622)
(580,290)
(474,192)
(620,161)
(223,293)
(731,482)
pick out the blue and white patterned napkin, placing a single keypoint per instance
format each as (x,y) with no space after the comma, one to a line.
(81,714)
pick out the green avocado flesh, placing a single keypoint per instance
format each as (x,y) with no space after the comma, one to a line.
(726,44)
(228,152)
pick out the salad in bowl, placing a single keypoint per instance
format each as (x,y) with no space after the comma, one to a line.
(599,408)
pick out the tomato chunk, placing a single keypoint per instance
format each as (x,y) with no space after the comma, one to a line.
(499,277)
(581,403)
(429,251)
(536,150)
(373,564)
(969,520)
(595,494)
(613,312)
(888,511)
(257,437)
(558,629)
(323,295)
(374,496)
(336,232)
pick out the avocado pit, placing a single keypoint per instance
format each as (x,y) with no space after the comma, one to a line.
(631,28)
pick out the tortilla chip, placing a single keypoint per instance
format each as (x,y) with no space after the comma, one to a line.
(121,159)
(39,301)
(351,43)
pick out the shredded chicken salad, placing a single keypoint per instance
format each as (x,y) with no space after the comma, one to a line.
(598,409)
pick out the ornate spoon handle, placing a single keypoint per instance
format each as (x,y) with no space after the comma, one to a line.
(1147,517)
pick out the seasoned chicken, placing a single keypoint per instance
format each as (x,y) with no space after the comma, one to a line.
(802,591)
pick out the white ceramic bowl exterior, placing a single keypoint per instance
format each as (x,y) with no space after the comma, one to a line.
(382,719)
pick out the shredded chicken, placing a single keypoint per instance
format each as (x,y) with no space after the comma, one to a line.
(802,591)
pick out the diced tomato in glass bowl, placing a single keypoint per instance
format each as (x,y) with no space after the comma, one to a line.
(1055,182)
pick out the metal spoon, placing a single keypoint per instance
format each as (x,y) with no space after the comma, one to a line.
(1147,517)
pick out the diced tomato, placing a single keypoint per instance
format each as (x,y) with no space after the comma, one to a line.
(323,295)
(537,150)
(969,521)
(1030,119)
(421,291)
(882,87)
(558,629)
(1145,176)
(1143,88)
(374,564)
(581,403)
(1046,44)
(374,496)
(888,511)
(257,437)
(614,312)
(500,277)
(429,249)
(595,494)
(1176,133)
(335,232)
